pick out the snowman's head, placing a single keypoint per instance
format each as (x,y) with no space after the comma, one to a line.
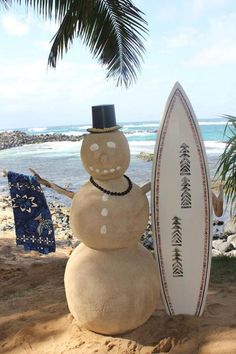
(105,155)
(105,152)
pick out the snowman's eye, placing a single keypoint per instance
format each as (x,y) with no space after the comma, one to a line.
(111,144)
(94,147)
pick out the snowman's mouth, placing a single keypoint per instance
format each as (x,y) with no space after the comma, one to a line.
(104,171)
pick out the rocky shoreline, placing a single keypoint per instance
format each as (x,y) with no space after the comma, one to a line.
(145,156)
(224,233)
(17,138)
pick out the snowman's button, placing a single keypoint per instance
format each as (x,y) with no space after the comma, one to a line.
(112,170)
(105,197)
(97,170)
(104,212)
(103,229)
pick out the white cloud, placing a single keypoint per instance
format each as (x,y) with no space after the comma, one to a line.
(216,43)
(213,56)
(14,26)
(29,86)
(182,39)
(43,45)
(48,27)
(200,5)
(211,44)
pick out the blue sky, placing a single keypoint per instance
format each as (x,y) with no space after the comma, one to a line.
(190,41)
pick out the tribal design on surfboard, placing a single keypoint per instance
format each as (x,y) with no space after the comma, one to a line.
(185,193)
(177,231)
(185,185)
(185,171)
(177,264)
(185,160)
(176,241)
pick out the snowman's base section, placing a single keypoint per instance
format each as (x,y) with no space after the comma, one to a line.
(111,292)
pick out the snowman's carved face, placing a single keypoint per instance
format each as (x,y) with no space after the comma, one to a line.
(105,155)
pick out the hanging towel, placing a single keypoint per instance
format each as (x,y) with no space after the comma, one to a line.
(33,223)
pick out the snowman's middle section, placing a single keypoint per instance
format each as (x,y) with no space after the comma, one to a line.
(103,221)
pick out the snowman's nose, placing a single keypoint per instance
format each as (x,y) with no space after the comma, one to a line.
(103,158)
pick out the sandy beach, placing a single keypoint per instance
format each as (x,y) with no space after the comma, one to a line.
(35,317)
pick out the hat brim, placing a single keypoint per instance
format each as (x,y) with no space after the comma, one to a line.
(103,130)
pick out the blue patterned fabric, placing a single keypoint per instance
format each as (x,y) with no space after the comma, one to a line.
(33,223)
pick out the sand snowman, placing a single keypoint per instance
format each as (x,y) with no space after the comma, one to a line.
(111,280)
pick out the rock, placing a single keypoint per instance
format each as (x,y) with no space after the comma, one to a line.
(148,243)
(225,247)
(216,243)
(218,222)
(232,240)
(146,239)
(218,230)
(216,253)
(145,156)
(231,253)
(18,138)
(230,226)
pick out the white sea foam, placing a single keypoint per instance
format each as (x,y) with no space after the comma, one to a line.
(45,150)
(58,147)
(212,123)
(138,133)
(6,131)
(143,142)
(141,146)
(37,130)
(214,147)
(155,125)
(84,127)
(73,132)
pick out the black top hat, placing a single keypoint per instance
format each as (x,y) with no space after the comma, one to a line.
(104,119)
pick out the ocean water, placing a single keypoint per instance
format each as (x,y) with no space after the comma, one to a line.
(60,161)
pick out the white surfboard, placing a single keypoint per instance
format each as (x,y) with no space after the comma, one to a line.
(181,208)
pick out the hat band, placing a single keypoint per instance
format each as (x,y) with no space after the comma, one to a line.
(103,130)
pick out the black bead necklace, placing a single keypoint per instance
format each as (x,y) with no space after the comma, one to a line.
(110,192)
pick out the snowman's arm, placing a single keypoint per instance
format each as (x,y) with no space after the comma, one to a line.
(52,185)
(146,187)
(217,202)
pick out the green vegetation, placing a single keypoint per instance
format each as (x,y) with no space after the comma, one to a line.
(223,270)
(113,30)
(226,170)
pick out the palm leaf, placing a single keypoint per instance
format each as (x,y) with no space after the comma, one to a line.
(226,167)
(113,30)
(5,4)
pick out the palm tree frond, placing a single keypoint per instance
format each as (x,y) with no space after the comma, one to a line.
(5,3)
(226,167)
(112,29)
